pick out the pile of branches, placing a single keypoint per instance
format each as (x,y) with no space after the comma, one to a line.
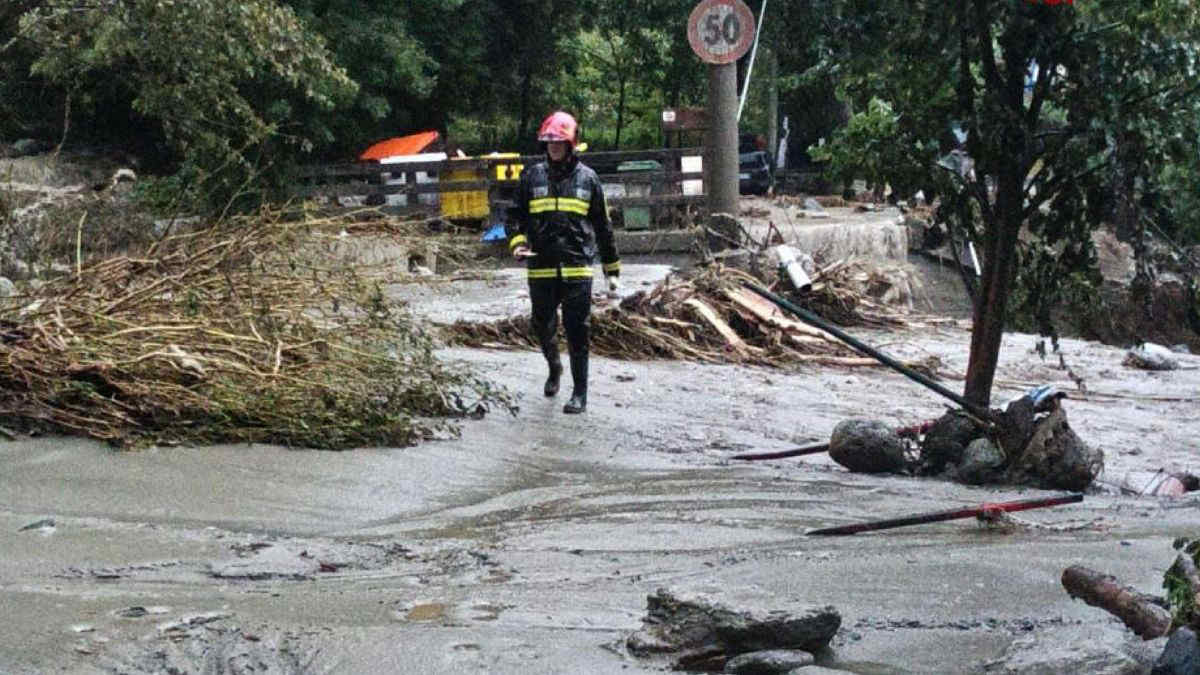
(255,329)
(710,317)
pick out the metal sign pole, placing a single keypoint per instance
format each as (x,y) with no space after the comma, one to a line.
(720,32)
(721,163)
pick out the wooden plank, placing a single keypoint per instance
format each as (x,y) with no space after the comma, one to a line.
(770,314)
(708,314)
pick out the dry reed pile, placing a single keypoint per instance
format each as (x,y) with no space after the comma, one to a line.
(710,317)
(252,330)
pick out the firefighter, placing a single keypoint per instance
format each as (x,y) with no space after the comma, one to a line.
(561,225)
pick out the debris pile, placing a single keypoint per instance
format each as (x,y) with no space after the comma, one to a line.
(709,316)
(251,330)
(1029,443)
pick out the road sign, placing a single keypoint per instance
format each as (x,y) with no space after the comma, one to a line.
(721,31)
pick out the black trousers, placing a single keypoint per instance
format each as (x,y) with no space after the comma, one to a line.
(575,298)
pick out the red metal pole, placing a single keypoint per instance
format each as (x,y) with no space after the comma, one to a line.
(954,514)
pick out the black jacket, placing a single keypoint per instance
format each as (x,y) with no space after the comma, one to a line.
(562,217)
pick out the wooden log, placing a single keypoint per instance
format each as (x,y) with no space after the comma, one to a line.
(1143,617)
(708,314)
(769,314)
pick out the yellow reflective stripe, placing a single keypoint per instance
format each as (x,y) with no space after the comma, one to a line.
(552,272)
(517,241)
(613,267)
(568,204)
(573,205)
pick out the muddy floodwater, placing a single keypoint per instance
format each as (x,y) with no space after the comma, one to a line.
(530,544)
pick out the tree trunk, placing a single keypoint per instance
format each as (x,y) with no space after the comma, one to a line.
(1143,617)
(999,270)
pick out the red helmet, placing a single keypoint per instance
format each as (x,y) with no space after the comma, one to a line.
(558,126)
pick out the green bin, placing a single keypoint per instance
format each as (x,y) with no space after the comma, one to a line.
(638,217)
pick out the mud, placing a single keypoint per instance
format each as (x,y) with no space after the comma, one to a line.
(529,544)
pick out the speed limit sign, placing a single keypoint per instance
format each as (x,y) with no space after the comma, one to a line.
(720,31)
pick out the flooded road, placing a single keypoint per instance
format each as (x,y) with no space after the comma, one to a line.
(530,544)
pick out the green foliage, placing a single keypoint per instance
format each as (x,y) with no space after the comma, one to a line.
(1181,596)
(868,147)
(218,79)
(1069,113)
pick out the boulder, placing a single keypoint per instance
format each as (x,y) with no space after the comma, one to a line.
(1055,457)
(867,446)
(947,439)
(982,462)
(698,629)
(1181,656)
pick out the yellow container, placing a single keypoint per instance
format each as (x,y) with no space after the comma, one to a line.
(473,204)
(464,204)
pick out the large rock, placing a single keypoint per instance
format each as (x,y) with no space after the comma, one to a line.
(698,628)
(982,462)
(1181,655)
(867,446)
(945,441)
(1055,457)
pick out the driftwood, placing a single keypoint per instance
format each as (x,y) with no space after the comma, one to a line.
(1137,611)
(707,313)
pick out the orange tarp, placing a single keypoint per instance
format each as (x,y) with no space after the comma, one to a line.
(401,145)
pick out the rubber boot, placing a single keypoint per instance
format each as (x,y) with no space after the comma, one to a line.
(579,376)
(556,369)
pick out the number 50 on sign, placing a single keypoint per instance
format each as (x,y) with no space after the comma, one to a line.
(720,31)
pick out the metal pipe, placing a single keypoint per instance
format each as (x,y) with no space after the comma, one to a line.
(981,510)
(750,66)
(807,450)
(812,319)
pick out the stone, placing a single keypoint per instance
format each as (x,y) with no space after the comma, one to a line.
(867,446)
(947,439)
(982,462)
(7,288)
(769,662)
(1181,656)
(700,626)
(1055,457)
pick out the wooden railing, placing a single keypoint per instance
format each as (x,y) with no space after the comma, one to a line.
(482,188)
